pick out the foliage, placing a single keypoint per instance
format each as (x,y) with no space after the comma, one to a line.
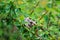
(45,12)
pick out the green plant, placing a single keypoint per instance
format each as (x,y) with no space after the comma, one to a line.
(45,13)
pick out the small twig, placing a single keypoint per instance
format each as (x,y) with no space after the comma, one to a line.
(35,7)
(43,15)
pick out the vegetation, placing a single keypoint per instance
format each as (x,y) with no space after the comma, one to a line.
(29,20)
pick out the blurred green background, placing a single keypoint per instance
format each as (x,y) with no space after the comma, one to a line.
(45,12)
